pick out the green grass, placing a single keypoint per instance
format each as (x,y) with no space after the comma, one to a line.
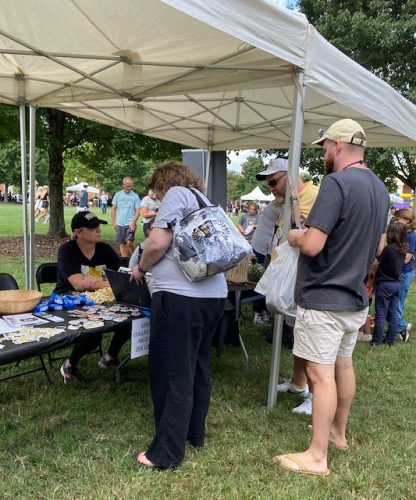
(75,440)
(11,222)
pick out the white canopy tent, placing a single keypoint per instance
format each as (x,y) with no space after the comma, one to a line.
(257,195)
(224,74)
(80,186)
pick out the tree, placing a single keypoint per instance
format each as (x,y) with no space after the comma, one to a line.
(92,144)
(239,184)
(379,35)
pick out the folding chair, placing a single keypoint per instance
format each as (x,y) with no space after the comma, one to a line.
(8,282)
(46,273)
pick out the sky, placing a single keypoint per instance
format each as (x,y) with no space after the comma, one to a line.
(237,160)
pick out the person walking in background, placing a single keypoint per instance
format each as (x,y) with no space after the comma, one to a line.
(103,202)
(149,207)
(248,222)
(406,217)
(44,206)
(83,199)
(346,230)
(125,211)
(184,318)
(388,267)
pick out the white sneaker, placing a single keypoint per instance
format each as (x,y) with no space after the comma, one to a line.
(265,317)
(407,332)
(305,408)
(257,319)
(288,386)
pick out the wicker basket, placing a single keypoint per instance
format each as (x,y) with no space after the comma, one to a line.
(18,301)
(238,274)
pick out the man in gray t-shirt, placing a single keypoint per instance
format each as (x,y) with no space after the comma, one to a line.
(345,231)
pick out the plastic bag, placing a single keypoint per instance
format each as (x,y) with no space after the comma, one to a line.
(279,280)
(206,242)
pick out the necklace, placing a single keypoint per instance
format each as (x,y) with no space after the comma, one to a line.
(361,162)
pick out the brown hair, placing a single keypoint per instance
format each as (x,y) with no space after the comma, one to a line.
(173,173)
(407,213)
(252,204)
(396,236)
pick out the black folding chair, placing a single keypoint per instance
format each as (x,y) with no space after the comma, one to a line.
(7,282)
(46,273)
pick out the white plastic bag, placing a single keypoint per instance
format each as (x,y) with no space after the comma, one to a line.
(279,280)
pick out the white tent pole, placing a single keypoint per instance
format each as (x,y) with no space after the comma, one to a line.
(22,117)
(32,158)
(293,173)
(208,170)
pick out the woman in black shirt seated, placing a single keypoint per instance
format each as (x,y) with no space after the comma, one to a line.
(81,265)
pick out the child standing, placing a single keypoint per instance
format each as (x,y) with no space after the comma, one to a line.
(387,284)
(248,222)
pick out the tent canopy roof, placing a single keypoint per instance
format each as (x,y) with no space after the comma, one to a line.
(257,195)
(217,75)
(79,186)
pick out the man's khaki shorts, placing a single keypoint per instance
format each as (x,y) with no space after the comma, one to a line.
(321,336)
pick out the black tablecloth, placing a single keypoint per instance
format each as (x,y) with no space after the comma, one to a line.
(16,352)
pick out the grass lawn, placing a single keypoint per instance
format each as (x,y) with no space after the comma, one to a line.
(75,440)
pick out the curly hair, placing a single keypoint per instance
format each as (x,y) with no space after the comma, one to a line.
(407,213)
(173,173)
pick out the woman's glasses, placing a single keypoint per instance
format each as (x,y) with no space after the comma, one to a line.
(273,182)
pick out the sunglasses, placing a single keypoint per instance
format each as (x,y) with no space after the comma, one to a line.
(273,182)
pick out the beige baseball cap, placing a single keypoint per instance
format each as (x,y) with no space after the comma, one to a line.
(346,130)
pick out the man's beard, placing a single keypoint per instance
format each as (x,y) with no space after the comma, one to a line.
(279,200)
(329,166)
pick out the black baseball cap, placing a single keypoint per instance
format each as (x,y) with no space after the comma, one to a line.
(86,219)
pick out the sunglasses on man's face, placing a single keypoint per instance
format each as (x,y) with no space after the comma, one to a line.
(273,182)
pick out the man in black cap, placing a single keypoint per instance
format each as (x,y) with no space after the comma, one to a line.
(81,265)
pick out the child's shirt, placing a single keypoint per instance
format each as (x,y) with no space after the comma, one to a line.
(391,264)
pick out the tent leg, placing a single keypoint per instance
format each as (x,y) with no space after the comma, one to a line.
(22,116)
(32,159)
(293,171)
(275,364)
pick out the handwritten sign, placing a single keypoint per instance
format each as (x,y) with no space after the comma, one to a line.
(140,334)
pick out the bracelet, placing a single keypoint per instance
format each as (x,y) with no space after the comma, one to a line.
(141,269)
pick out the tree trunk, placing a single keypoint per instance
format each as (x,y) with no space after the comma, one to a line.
(56,127)
(6,192)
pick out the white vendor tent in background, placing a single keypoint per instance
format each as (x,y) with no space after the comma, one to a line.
(217,75)
(79,186)
(257,195)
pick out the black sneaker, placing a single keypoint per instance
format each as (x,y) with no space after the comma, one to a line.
(106,364)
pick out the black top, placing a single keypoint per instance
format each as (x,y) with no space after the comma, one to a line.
(72,261)
(391,264)
(351,208)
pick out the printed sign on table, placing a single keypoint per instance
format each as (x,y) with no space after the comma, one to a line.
(140,333)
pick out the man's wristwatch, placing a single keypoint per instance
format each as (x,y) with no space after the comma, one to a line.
(141,269)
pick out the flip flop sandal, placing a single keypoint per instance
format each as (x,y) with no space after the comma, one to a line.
(303,469)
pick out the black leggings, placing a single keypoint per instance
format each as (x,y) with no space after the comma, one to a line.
(89,342)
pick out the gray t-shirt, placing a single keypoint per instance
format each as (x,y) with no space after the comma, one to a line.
(177,203)
(262,238)
(351,208)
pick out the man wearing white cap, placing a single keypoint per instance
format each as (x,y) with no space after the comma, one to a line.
(276,177)
(345,230)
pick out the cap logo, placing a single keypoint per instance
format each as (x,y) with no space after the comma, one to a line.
(89,216)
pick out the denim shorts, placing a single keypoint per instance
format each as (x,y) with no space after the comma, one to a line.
(124,234)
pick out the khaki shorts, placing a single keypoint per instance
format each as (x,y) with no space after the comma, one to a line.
(321,336)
